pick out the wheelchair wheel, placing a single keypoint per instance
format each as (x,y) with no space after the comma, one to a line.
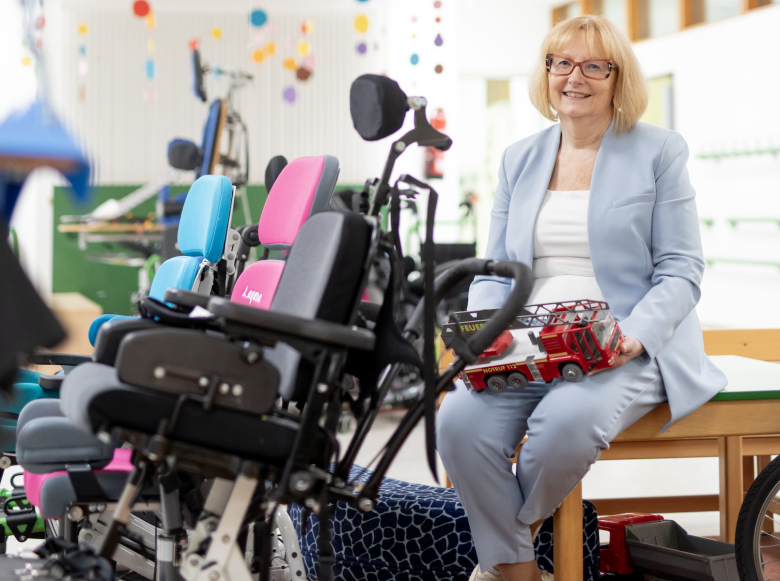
(497,382)
(757,542)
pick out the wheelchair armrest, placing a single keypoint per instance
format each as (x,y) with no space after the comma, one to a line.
(295,327)
(66,359)
(187,299)
(51,381)
(111,334)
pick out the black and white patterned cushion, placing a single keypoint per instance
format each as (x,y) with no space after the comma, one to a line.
(416,533)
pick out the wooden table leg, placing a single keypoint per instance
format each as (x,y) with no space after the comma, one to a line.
(567,538)
(761,463)
(731,495)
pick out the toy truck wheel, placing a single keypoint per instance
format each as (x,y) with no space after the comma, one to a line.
(497,383)
(517,380)
(572,372)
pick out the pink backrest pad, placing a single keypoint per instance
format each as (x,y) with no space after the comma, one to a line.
(257,284)
(289,201)
(33,483)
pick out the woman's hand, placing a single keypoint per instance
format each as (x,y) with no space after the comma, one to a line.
(627,350)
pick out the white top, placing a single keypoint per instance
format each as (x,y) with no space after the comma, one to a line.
(562,267)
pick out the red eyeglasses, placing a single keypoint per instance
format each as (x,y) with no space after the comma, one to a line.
(562,66)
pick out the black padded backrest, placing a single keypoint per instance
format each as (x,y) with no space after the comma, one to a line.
(322,279)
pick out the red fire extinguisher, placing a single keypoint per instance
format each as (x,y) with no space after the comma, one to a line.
(434,159)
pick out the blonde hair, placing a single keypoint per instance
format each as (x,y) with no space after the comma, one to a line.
(604,40)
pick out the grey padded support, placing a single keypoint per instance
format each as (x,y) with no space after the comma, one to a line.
(57,492)
(49,443)
(79,388)
(40,408)
(326,185)
(302,286)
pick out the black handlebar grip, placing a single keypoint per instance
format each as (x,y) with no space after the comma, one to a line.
(516,300)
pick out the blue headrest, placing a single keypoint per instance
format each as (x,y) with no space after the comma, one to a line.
(177,272)
(205,218)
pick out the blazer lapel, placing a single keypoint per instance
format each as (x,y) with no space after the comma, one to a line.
(528,195)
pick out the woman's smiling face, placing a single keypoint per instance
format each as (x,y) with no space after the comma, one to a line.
(576,96)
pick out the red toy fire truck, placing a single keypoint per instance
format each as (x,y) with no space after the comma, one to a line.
(545,342)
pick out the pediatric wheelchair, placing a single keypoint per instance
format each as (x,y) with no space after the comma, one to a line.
(250,399)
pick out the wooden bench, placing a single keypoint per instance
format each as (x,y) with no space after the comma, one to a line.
(738,425)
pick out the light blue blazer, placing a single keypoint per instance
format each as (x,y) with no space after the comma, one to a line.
(643,233)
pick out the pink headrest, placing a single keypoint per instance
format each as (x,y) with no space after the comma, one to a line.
(289,201)
(257,284)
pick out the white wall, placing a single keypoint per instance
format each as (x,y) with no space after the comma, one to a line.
(725,101)
(127,137)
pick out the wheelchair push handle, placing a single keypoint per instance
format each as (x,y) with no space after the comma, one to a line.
(515,302)
(501,320)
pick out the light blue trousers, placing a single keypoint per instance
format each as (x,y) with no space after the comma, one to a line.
(568,425)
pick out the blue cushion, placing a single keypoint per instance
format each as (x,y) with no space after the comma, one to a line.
(177,272)
(26,376)
(94,328)
(205,218)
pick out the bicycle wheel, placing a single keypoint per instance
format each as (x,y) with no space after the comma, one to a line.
(758,539)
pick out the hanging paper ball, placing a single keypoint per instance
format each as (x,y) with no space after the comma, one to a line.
(83,67)
(141,8)
(194,43)
(270,27)
(437,4)
(270,49)
(438,19)
(40,22)
(361,48)
(414,19)
(303,74)
(439,69)
(26,61)
(258,38)
(303,48)
(149,95)
(308,62)
(361,23)
(150,45)
(290,64)
(307,27)
(83,29)
(258,17)
(151,21)
(82,50)
(216,33)
(258,55)
(415,59)
(289,94)
(438,41)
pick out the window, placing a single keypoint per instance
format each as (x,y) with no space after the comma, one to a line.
(615,10)
(657,17)
(660,107)
(570,10)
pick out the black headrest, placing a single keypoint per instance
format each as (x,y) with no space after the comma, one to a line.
(377,105)
(184,154)
(273,169)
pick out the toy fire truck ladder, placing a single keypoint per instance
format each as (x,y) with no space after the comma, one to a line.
(582,312)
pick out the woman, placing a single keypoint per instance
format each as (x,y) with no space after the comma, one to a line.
(602,207)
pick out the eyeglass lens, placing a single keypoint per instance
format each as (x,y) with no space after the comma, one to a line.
(592,69)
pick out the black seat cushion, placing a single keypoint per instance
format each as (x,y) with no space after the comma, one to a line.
(94,398)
